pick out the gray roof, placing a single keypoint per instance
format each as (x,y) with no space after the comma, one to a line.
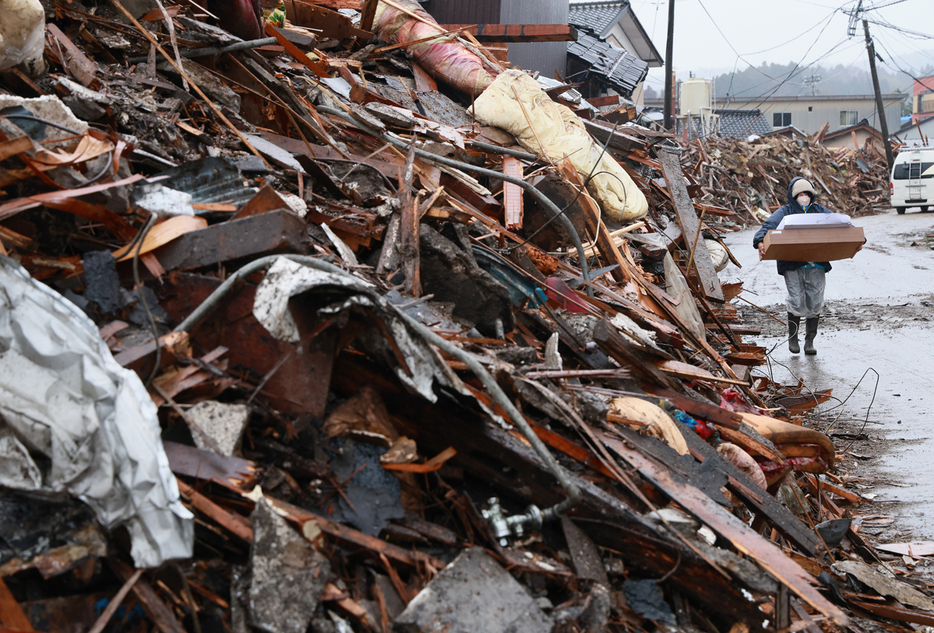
(742,123)
(597,17)
(622,70)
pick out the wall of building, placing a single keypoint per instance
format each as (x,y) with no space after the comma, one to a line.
(457,12)
(922,98)
(914,136)
(544,57)
(808,114)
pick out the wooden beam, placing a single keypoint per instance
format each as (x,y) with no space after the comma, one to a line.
(11,614)
(743,538)
(687,220)
(488,33)
(77,63)
(512,194)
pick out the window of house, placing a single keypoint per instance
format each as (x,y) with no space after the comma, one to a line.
(810,108)
(781,119)
(848,117)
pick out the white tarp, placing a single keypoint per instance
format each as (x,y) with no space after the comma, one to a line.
(73,420)
(815,221)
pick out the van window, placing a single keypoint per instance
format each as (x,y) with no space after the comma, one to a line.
(906,171)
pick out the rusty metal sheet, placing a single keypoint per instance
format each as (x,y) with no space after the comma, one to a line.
(300,385)
(273,232)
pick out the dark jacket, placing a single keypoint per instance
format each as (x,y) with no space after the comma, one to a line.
(775,219)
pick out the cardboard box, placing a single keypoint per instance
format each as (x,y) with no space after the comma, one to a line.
(813,245)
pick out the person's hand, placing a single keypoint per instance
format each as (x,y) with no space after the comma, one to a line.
(761,250)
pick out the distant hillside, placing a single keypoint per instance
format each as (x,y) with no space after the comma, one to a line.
(787,81)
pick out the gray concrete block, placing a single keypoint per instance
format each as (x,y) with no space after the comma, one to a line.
(474,593)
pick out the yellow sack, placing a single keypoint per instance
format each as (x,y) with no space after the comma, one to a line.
(651,420)
(562,134)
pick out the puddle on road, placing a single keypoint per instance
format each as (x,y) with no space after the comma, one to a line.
(900,421)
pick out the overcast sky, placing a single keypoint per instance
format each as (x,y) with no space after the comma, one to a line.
(716,36)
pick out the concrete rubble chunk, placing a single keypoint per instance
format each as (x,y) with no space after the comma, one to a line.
(288,575)
(223,423)
(473,593)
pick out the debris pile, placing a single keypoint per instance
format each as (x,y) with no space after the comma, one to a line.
(290,329)
(750,177)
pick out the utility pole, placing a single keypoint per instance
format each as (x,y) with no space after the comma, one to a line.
(880,111)
(669,48)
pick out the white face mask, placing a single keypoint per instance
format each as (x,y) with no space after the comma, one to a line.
(803,199)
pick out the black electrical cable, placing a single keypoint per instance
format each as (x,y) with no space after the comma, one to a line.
(29,117)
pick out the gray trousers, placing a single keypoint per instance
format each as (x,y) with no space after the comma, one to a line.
(805,291)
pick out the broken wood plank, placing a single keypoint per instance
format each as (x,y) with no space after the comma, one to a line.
(234,523)
(234,472)
(77,63)
(512,194)
(748,542)
(514,33)
(687,220)
(331,23)
(15,146)
(11,614)
(629,356)
(899,614)
(355,538)
(591,212)
(154,607)
(759,500)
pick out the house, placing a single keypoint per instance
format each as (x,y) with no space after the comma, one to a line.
(611,55)
(918,132)
(544,57)
(854,137)
(602,68)
(922,98)
(609,31)
(790,132)
(810,113)
(741,123)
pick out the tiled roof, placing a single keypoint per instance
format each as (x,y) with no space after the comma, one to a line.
(595,16)
(742,123)
(620,69)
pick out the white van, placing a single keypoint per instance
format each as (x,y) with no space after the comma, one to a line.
(912,181)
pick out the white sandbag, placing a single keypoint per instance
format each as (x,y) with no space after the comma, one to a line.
(22,35)
(561,133)
(718,254)
(651,420)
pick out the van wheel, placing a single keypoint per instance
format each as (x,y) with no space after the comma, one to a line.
(900,210)
(924,209)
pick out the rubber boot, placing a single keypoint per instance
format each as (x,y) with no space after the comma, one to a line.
(794,326)
(809,333)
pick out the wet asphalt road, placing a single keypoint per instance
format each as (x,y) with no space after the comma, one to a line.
(879,315)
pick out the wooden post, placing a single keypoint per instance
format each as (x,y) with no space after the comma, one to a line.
(880,109)
(669,48)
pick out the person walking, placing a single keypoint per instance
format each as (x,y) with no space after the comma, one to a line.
(805,281)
